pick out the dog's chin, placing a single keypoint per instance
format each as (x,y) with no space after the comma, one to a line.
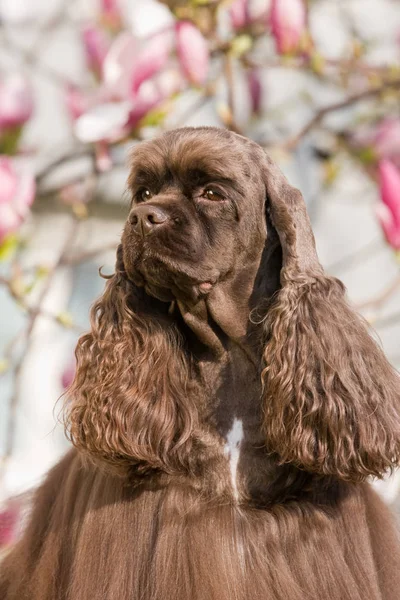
(166,279)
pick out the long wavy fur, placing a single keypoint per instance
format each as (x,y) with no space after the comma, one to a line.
(331,399)
(131,404)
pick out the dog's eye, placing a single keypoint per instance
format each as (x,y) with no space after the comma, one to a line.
(144,194)
(212,194)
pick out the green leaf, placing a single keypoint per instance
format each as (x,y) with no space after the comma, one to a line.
(154,118)
(9,141)
(367,155)
(8,246)
(241,44)
(65,319)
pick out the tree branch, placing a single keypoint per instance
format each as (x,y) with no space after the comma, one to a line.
(292,142)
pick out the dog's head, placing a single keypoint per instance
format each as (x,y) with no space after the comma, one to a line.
(209,207)
(197,212)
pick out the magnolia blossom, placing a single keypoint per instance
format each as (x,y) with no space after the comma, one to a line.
(102,122)
(68,375)
(288,24)
(129,89)
(245,12)
(76,101)
(386,140)
(16,101)
(380,140)
(149,17)
(193,53)
(9,521)
(111,13)
(96,44)
(17,192)
(388,210)
(239,13)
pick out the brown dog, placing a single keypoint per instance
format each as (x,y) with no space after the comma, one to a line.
(227,407)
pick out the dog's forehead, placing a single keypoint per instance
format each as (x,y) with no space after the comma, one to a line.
(217,155)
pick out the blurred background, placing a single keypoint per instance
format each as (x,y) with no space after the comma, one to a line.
(316,82)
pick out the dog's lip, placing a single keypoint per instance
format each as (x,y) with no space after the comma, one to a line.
(206,286)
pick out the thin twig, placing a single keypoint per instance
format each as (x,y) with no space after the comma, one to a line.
(33,316)
(292,142)
(69,156)
(229,77)
(86,256)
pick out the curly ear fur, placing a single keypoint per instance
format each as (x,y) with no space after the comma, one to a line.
(331,399)
(132,400)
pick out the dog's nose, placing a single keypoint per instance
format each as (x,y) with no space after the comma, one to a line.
(146,218)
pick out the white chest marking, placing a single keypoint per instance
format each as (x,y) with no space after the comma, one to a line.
(232,451)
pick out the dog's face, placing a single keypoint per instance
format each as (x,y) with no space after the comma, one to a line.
(197,212)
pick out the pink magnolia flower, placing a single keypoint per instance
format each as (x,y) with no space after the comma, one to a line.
(9,519)
(288,24)
(239,14)
(387,139)
(152,58)
(245,12)
(193,52)
(77,102)
(389,210)
(96,44)
(111,13)
(17,192)
(68,375)
(129,88)
(16,101)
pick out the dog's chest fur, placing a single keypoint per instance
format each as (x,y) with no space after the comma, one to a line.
(232,387)
(233,390)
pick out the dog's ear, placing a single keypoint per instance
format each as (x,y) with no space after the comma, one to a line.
(131,404)
(331,399)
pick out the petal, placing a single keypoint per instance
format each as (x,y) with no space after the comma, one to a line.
(111,13)
(102,122)
(9,220)
(193,52)
(119,64)
(258,9)
(18,12)
(238,12)
(390,229)
(387,138)
(96,44)
(9,518)
(16,101)
(288,23)
(148,17)
(25,193)
(103,157)
(68,375)
(76,101)
(148,97)
(153,92)
(389,183)
(8,181)
(152,58)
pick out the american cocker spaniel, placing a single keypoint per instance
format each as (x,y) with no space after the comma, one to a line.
(227,408)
